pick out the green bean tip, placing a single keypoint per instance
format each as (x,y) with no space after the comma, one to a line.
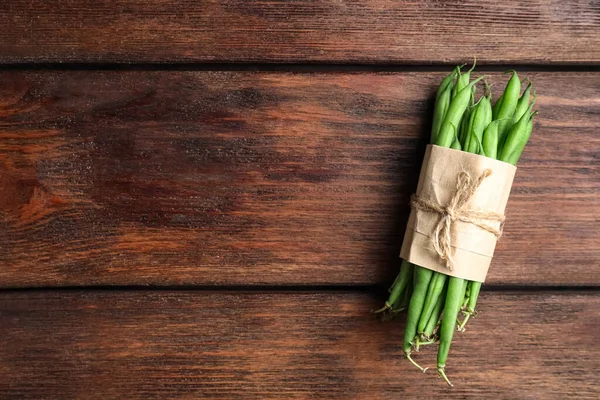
(407,354)
(474,63)
(442,374)
(526,79)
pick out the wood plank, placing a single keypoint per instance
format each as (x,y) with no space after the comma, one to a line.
(118,178)
(363,31)
(541,345)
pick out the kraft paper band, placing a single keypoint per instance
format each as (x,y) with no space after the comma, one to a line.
(474,225)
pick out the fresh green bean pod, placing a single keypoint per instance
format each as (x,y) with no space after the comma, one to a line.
(479,147)
(508,107)
(456,144)
(447,83)
(436,285)
(465,124)
(517,138)
(522,104)
(421,282)
(427,336)
(510,97)
(482,116)
(463,80)
(399,286)
(422,278)
(496,107)
(456,290)
(407,294)
(473,295)
(490,140)
(513,157)
(466,294)
(461,83)
(439,112)
(455,112)
(435,314)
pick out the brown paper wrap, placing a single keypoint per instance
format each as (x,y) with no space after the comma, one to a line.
(472,247)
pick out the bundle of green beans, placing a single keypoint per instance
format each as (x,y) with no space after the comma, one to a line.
(434,300)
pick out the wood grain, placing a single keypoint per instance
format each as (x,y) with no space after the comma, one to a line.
(88,344)
(362,31)
(131,178)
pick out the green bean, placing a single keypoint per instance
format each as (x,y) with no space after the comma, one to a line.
(447,83)
(466,294)
(509,105)
(513,157)
(427,336)
(473,295)
(421,282)
(405,274)
(398,286)
(510,97)
(464,126)
(479,147)
(475,288)
(463,80)
(496,107)
(463,130)
(436,285)
(463,306)
(397,280)
(454,114)
(517,138)
(394,310)
(456,73)
(522,104)
(490,140)
(456,290)
(456,144)
(435,314)
(481,118)
(439,112)
(407,294)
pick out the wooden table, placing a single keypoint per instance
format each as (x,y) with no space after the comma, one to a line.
(204,199)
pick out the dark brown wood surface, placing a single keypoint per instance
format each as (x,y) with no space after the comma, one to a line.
(130,178)
(84,345)
(267,193)
(371,31)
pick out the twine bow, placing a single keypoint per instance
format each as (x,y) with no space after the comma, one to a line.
(455,210)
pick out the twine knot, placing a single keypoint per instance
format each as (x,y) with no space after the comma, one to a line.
(456,210)
(449,212)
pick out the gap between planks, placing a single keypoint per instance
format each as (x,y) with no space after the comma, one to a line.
(293,67)
(366,289)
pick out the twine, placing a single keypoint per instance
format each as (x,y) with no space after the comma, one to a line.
(455,210)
